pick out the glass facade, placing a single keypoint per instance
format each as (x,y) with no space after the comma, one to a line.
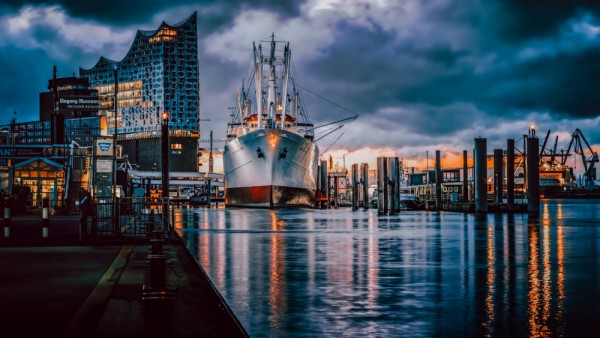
(159,74)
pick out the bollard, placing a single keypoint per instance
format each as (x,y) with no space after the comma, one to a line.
(45,214)
(157,272)
(157,243)
(150,223)
(6,218)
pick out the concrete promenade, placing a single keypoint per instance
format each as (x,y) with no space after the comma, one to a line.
(60,287)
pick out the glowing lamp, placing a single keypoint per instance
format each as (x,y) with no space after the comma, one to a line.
(165,116)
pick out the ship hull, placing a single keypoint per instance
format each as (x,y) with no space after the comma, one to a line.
(270,168)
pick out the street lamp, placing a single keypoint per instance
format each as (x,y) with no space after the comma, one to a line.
(115,71)
(117,226)
(165,165)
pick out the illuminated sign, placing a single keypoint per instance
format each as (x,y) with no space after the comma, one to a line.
(104,146)
(78,103)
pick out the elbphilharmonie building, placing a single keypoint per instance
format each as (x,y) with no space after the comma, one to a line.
(158,77)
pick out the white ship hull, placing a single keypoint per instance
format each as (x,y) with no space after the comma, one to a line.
(270,168)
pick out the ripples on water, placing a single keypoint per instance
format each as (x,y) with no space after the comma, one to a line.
(299,273)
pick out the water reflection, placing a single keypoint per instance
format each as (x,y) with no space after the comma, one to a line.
(297,273)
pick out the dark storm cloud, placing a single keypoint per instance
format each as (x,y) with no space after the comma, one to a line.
(369,71)
(518,20)
(373,71)
(118,12)
(565,84)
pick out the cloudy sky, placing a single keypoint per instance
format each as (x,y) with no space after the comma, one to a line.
(422,74)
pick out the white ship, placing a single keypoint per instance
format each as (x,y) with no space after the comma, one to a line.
(270,157)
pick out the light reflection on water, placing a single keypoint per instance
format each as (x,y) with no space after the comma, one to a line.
(297,273)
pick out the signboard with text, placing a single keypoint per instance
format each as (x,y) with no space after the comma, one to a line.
(104,166)
(31,151)
(78,103)
(104,146)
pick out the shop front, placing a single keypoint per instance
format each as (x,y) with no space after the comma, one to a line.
(40,178)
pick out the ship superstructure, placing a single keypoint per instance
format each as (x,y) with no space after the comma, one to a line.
(270,157)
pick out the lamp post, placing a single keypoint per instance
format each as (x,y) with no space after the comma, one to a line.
(116,102)
(116,224)
(165,165)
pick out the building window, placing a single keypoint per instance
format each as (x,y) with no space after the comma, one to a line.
(176,148)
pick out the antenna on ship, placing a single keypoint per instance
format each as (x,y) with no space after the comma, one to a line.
(258,77)
(286,63)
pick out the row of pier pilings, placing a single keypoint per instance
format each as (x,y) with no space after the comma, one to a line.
(389,169)
(389,176)
(328,186)
(532,174)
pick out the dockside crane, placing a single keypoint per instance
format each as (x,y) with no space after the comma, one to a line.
(589,161)
(549,152)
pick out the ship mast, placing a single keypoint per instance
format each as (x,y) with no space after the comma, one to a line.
(258,75)
(271,97)
(286,63)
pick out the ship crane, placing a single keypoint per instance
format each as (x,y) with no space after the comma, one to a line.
(589,161)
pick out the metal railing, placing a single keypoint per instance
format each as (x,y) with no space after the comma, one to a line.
(129,218)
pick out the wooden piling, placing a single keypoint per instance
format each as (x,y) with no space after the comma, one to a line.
(498,175)
(510,175)
(481,204)
(438,181)
(533,176)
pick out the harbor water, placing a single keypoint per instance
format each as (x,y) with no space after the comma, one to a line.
(324,273)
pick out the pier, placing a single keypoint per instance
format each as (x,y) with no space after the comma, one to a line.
(62,286)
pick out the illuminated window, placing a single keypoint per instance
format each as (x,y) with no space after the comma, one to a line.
(176,148)
(164,34)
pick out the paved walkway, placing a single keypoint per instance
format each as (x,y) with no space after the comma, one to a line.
(96,291)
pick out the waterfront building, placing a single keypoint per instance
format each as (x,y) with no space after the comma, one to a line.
(158,77)
(34,168)
(72,97)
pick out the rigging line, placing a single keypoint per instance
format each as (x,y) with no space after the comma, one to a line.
(330,132)
(328,100)
(334,122)
(337,139)
(326,130)
(322,133)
